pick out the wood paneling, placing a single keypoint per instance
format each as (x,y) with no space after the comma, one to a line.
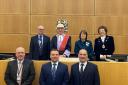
(8,43)
(14,6)
(117,25)
(14,24)
(75,23)
(63,7)
(121,44)
(111,7)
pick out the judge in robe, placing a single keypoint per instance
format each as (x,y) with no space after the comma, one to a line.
(61,41)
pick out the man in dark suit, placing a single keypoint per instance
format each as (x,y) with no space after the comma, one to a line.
(20,71)
(61,41)
(104,44)
(39,46)
(54,72)
(84,72)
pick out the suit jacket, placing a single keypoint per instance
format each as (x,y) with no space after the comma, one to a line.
(62,76)
(109,47)
(90,75)
(34,48)
(54,44)
(28,73)
(84,45)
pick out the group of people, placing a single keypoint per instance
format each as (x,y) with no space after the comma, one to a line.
(40,44)
(22,72)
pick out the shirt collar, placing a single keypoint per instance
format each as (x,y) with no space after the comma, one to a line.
(20,61)
(103,36)
(55,62)
(85,63)
(60,35)
(39,36)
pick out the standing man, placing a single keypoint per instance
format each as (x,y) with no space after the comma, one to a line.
(20,71)
(40,45)
(54,72)
(61,41)
(84,72)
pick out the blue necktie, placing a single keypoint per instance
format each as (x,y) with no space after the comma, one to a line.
(40,39)
(54,71)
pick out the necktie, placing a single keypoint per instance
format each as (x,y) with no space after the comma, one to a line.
(54,71)
(81,70)
(40,41)
(81,74)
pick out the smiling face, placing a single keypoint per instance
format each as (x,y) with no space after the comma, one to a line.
(83,56)
(83,36)
(102,32)
(60,30)
(20,53)
(54,55)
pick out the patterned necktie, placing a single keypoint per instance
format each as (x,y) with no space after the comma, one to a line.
(54,71)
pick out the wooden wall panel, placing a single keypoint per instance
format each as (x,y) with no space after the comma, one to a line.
(111,7)
(14,24)
(49,22)
(8,43)
(14,6)
(63,7)
(117,25)
(121,44)
(75,23)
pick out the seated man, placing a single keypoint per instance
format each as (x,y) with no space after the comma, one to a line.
(20,71)
(61,41)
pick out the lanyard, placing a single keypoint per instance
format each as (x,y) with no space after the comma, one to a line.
(19,69)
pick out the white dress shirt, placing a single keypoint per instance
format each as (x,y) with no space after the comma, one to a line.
(103,38)
(19,71)
(59,40)
(55,63)
(39,39)
(84,66)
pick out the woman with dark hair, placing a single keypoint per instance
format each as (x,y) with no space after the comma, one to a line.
(104,44)
(83,43)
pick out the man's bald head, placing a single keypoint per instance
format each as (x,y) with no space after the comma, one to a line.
(83,55)
(20,53)
(40,29)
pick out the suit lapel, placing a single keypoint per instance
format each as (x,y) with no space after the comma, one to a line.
(86,71)
(77,68)
(106,39)
(15,70)
(56,41)
(36,40)
(24,66)
(50,68)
